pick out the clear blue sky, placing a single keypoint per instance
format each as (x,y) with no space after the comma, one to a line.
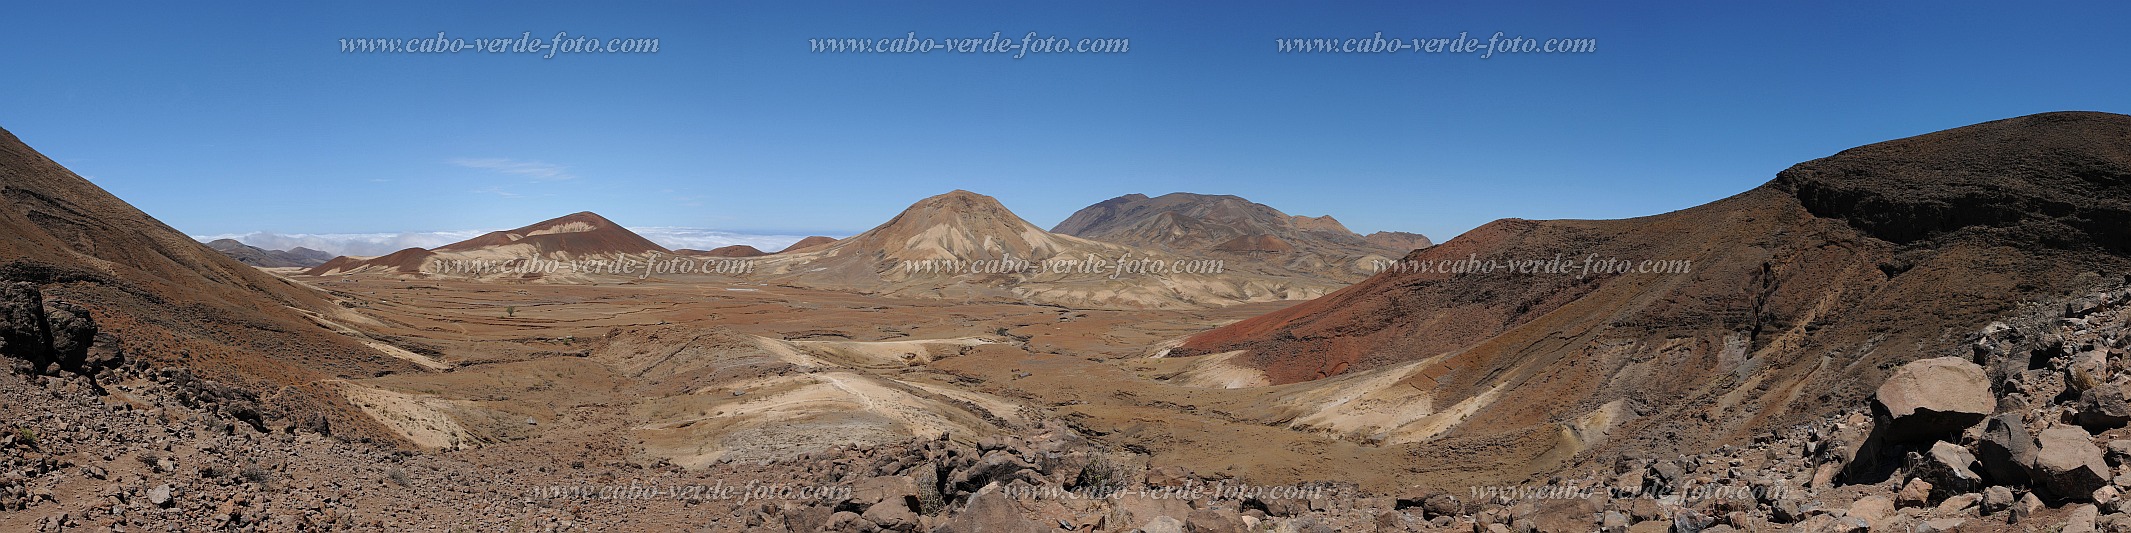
(222,118)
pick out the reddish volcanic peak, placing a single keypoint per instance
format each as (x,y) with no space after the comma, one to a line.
(579,234)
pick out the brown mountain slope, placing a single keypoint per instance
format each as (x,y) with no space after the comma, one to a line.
(807,243)
(1801,294)
(170,300)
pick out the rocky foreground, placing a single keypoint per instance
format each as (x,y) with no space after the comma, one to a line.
(2025,432)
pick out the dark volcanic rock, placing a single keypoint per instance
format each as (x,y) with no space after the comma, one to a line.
(2106,406)
(23,331)
(73,332)
(2068,465)
(1949,469)
(2007,450)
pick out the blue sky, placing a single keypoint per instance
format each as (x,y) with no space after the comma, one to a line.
(240,117)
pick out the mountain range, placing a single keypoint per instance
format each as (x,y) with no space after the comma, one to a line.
(965,245)
(260,257)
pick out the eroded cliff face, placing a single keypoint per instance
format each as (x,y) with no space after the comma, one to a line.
(2055,179)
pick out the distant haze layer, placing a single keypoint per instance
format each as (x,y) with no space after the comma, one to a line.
(371,244)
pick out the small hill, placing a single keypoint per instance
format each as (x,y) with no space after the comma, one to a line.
(807,243)
(581,234)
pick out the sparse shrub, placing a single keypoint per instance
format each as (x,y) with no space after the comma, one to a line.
(256,474)
(1102,477)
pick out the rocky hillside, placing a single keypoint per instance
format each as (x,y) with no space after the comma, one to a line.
(1687,329)
(156,295)
(2024,431)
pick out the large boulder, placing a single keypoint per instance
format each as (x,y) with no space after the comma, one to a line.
(1932,398)
(2007,450)
(46,336)
(990,510)
(2106,406)
(2068,464)
(892,515)
(24,333)
(73,332)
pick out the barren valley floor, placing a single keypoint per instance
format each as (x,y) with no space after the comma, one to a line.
(536,372)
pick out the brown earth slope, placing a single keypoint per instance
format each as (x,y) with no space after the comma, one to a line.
(1799,295)
(807,243)
(166,299)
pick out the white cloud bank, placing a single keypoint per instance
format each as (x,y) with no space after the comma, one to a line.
(705,239)
(373,244)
